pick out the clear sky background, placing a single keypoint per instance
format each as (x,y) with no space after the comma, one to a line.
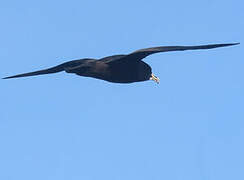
(66,127)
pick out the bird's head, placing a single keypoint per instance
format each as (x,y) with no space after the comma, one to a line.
(145,72)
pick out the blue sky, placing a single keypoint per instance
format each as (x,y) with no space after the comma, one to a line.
(65,127)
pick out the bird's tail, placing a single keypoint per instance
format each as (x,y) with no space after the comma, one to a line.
(54,69)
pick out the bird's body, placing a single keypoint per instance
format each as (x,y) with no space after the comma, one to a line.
(118,68)
(124,72)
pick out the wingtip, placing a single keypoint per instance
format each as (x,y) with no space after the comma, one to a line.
(229,44)
(9,77)
(232,44)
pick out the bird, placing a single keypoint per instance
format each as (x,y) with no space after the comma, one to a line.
(122,68)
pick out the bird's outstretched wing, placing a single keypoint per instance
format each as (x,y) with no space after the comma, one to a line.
(62,67)
(142,53)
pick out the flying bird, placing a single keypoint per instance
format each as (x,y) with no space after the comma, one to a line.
(127,68)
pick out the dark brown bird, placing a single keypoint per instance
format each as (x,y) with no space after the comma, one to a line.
(118,68)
